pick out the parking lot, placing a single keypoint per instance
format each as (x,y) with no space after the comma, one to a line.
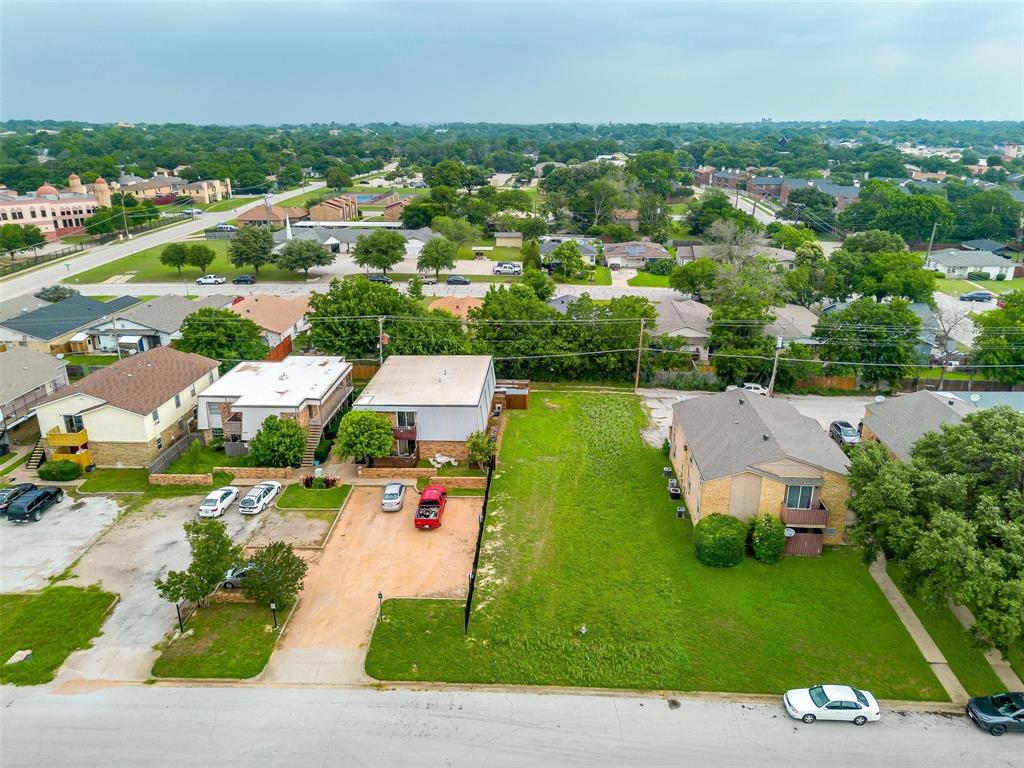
(370,551)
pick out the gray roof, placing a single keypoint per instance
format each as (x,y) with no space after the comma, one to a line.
(991,399)
(673,316)
(348,234)
(1017,195)
(24,370)
(792,322)
(585,248)
(561,303)
(899,422)
(65,316)
(767,181)
(837,190)
(729,432)
(11,307)
(983,245)
(167,313)
(955,257)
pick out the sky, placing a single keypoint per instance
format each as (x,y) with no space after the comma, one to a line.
(520,61)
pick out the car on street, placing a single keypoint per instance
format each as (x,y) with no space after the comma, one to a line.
(977,296)
(428,279)
(236,576)
(431,506)
(457,280)
(998,713)
(244,280)
(756,388)
(380,279)
(193,211)
(844,433)
(217,502)
(32,504)
(9,495)
(831,702)
(211,280)
(394,497)
(226,228)
(259,498)
(508,268)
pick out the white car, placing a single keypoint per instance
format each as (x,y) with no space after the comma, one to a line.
(217,502)
(394,497)
(259,498)
(756,388)
(211,280)
(831,702)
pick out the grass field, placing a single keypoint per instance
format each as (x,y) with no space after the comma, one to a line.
(297,497)
(90,359)
(148,269)
(204,461)
(1016,658)
(302,198)
(581,533)
(51,623)
(647,280)
(137,481)
(966,660)
(228,640)
(602,276)
(999,286)
(230,204)
(953,286)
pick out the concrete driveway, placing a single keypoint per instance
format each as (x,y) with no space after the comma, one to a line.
(369,552)
(30,553)
(138,549)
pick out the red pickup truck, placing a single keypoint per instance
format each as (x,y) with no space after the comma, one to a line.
(431,506)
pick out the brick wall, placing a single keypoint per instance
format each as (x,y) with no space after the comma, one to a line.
(123,454)
(259,473)
(200,479)
(455,449)
(715,496)
(460,482)
(772,494)
(834,492)
(403,472)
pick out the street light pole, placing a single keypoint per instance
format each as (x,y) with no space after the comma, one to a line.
(273,611)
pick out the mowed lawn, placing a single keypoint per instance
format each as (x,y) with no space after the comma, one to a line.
(581,533)
(648,280)
(147,268)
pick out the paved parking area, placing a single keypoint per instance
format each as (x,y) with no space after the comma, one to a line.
(369,552)
(30,553)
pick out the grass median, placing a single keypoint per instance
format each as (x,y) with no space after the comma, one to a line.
(297,497)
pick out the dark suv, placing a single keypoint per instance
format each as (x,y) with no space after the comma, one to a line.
(31,505)
(9,495)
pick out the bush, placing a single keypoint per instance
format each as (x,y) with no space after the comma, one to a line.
(60,471)
(767,538)
(319,483)
(323,450)
(719,540)
(1001,276)
(977,275)
(661,267)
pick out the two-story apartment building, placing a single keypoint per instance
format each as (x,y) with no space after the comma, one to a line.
(27,377)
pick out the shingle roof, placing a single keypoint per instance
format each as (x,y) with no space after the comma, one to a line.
(24,370)
(272,313)
(984,245)
(954,257)
(142,383)
(899,422)
(12,307)
(676,315)
(457,305)
(585,248)
(167,313)
(323,235)
(65,316)
(731,431)
(561,303)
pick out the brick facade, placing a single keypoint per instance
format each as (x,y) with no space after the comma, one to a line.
(180,479)
(454,448)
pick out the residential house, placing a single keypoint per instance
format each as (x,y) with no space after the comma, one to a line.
(729,178)
(762,187)
(628,216)
(344,239)
(457,305)
(393,211)
(508,239)
(278,317)
(899,422)
(153,323)
(930,343)
(588,247)
(340,208)
(272,216)
(739,453)
(842,194)
(434,402)
(954,262)
(28,377)
(127,413)
(793,323)
(702,176)
(985,245)
(635,254)
(13,307)
(561,303)
(60,327)
(689,319)
(308,389)
(782,257)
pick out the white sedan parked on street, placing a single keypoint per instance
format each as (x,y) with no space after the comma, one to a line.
(831,702)
(259,497)
(217,502)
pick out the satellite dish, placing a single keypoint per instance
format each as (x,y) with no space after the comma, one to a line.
(975,398)
(790,533)
(879,398)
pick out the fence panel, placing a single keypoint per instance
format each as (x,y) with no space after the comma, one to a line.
(16,265)
(479,541)
(160,464)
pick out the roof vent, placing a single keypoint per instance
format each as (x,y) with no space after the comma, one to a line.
(765,436)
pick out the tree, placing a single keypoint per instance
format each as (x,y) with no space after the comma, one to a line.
(655,172)
(290,175)
(222,335)
(14,237)
(878,341)
(874,241)
(251,246)
(364,435)
(448,173)
(568,258)
(419,214)
(810,206)
(882,275)
(274,575)
(531,254)
(694,278)
(415,289)
(381,249)
(55,293)
(1000,340)
(882,205)
(539,282)
(459,231)
(480,448)
(712,206)
(175,255)
(201,256)
(595,202)
(653,216)
(789,237)
(338,178)
(439,253)
(279,443)
(304,254)
(213,554)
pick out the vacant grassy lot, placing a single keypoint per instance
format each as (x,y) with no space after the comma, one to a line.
(136,481)
(232,640)
(148,269)
(601,275)
(205,460)
(648,280)
(999,286)
(297,497)
(500,253)
(581,532)
(51,623)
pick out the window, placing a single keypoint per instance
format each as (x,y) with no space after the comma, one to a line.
(799,496)
(211,377)
(156,417)
(217,432)
(73,424)
(407,418)
(192,391)
(159,443)
(177,401)
(213,409)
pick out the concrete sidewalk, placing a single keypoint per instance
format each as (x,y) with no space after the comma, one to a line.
(996,659)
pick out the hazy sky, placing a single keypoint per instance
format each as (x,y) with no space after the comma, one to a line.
(515,61)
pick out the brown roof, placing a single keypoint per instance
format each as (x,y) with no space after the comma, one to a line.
(457,305)
(277,213)
(272,313)
(627,214)
(142,383)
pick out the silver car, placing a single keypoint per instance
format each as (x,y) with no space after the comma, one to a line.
(394,497)
(236,576)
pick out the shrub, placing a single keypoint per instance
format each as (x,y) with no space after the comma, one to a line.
(1001,276)
(323,450)
(977,275)
(60,471)
(719,540)
(767,538)
(319,483)
(661,267)
(279,443)
(480,447)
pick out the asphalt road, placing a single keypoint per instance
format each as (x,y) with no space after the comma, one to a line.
(252,727)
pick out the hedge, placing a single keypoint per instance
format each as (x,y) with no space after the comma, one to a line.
(977,275)
(719,541)
(767,538)
(60,471)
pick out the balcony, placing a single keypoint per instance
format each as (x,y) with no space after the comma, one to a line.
(815,517)
(233,426)
(404,433)
(330,405)
(82,457)
(58,439)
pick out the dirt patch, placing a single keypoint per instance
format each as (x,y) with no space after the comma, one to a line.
(292,526)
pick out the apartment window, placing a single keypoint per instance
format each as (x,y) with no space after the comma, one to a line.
(32,212)
(73,424)
(799,496)
(192,391)
(213,409)
(217,432)
(210,377)
(177,401)
(159,443)
(407,418)
(156,417)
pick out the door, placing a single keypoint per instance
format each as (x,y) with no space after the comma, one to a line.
(834,710)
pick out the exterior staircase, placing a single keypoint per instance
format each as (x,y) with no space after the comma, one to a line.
(37,457)
(313,435)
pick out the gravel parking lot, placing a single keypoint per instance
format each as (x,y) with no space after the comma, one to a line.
(297,527)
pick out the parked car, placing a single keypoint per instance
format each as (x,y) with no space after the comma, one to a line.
(244,280)
(236,576)
(998,713)
(32,504)
(831,702)
(431,506)
(457,280)
(193,211)
(217,502)
(9,495)
(508,268)
(756,388)
(259,498)
(211,280)
(380,279)
(844,433)
(226,228)
(394,497)
(977,296)
(428,279)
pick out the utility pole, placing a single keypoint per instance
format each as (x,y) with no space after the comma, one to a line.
(380,340)
(117,339)
(931,240)
(639,354)
(775,365)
